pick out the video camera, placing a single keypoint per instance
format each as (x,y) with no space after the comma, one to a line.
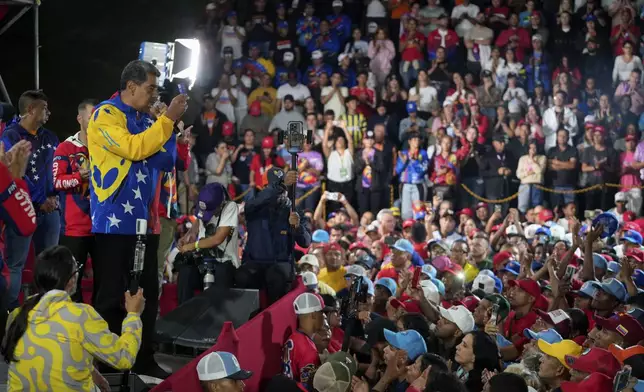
(294,136)
(358,294)
(204,263)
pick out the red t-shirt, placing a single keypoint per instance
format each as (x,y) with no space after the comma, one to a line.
(415,51)
(337,337)
(513,328)
(300,358)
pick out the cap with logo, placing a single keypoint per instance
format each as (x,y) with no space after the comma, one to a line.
(355,270)
(429,270)
(410,306)
(221,365)
(412,107)
(560,349)
(404,245)
(309,260)
(268,142)
(624,325)
(587,290)
(485,283)
(594,360)
(307,303)
(460,316)
(210,198)
(632,236)
(310,280)
(346,359)
(411,341)
(316,55)
(431,292)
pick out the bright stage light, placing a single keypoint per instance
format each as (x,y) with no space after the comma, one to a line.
(185,59)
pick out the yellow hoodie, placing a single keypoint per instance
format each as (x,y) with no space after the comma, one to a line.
(62,339)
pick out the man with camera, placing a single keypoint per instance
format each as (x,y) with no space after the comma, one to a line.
(211,246)
(272,228)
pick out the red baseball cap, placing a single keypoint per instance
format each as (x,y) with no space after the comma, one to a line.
(408,223)
(500,258)
(228,129)
(481,205)
(496,228)
(454,269)
(595,360)
(411,306)
(255,109)
(388,273)
(466,212)
(636,254)
(596,382)
(333,246)
(625,325)
(546,215)
(628,217)
(630,138)
(528,285)
(600,129)
(589,125)
(630,225)
(470,302)
(558,319)
(268,142)
(357,245)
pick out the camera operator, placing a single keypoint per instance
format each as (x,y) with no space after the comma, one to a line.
(215,236)
(272,230)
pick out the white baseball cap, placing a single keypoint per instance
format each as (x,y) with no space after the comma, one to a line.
(460,316)
(310,260)
(307,303)
(620,196)
(342,56)
(337,3)
(219,365)
(485,283)
(310,280)
(430,291)
(316,55)
(211,6)
(288,56)
(531,230)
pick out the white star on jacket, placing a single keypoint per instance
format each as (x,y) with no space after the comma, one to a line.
(114,221)
(137,193)
(128,207)
(36,177)
(140,177)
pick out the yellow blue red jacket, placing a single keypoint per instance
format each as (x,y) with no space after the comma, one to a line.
(128,151)
(62,339)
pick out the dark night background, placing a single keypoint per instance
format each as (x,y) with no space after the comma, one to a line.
(84,47)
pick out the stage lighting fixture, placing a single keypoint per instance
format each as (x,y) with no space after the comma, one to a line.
(184,60)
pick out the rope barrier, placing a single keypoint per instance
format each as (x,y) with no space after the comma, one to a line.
(549,190)
(297,201)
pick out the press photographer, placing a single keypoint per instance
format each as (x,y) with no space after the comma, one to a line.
(209,250)
(272,229)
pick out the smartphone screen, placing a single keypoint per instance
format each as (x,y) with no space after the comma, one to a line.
(182,89)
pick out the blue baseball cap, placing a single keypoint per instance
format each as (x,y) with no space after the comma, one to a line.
(498,284)
(610,223)
(371,289)
(320,236)
(428,270)
(633,237)
(543,230)
(439,285)
(219,365)
(409,340)
(230,14)
(586,290)
(210,198)
(638,277)
(238,64)
(599,261)
(614,267)
(365,260)
(549,335)
(613,287)
(411,107)
(282,24)
(404,245)
(389,284)
(487,272)
(536,265)
(512,267)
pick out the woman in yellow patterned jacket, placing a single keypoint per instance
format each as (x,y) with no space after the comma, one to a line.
(51,342)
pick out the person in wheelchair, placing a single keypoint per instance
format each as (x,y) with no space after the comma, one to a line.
(210,248)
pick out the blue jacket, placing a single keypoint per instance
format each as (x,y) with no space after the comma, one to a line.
(281,75)
(348,77)
(330,45)
(306,28)
(270,237)
(40,175)
(341,24)
(127,151)
(313,71)
(412,171)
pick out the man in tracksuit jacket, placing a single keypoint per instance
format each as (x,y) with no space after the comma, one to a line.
(34,113)
(128,150)
(273,231)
